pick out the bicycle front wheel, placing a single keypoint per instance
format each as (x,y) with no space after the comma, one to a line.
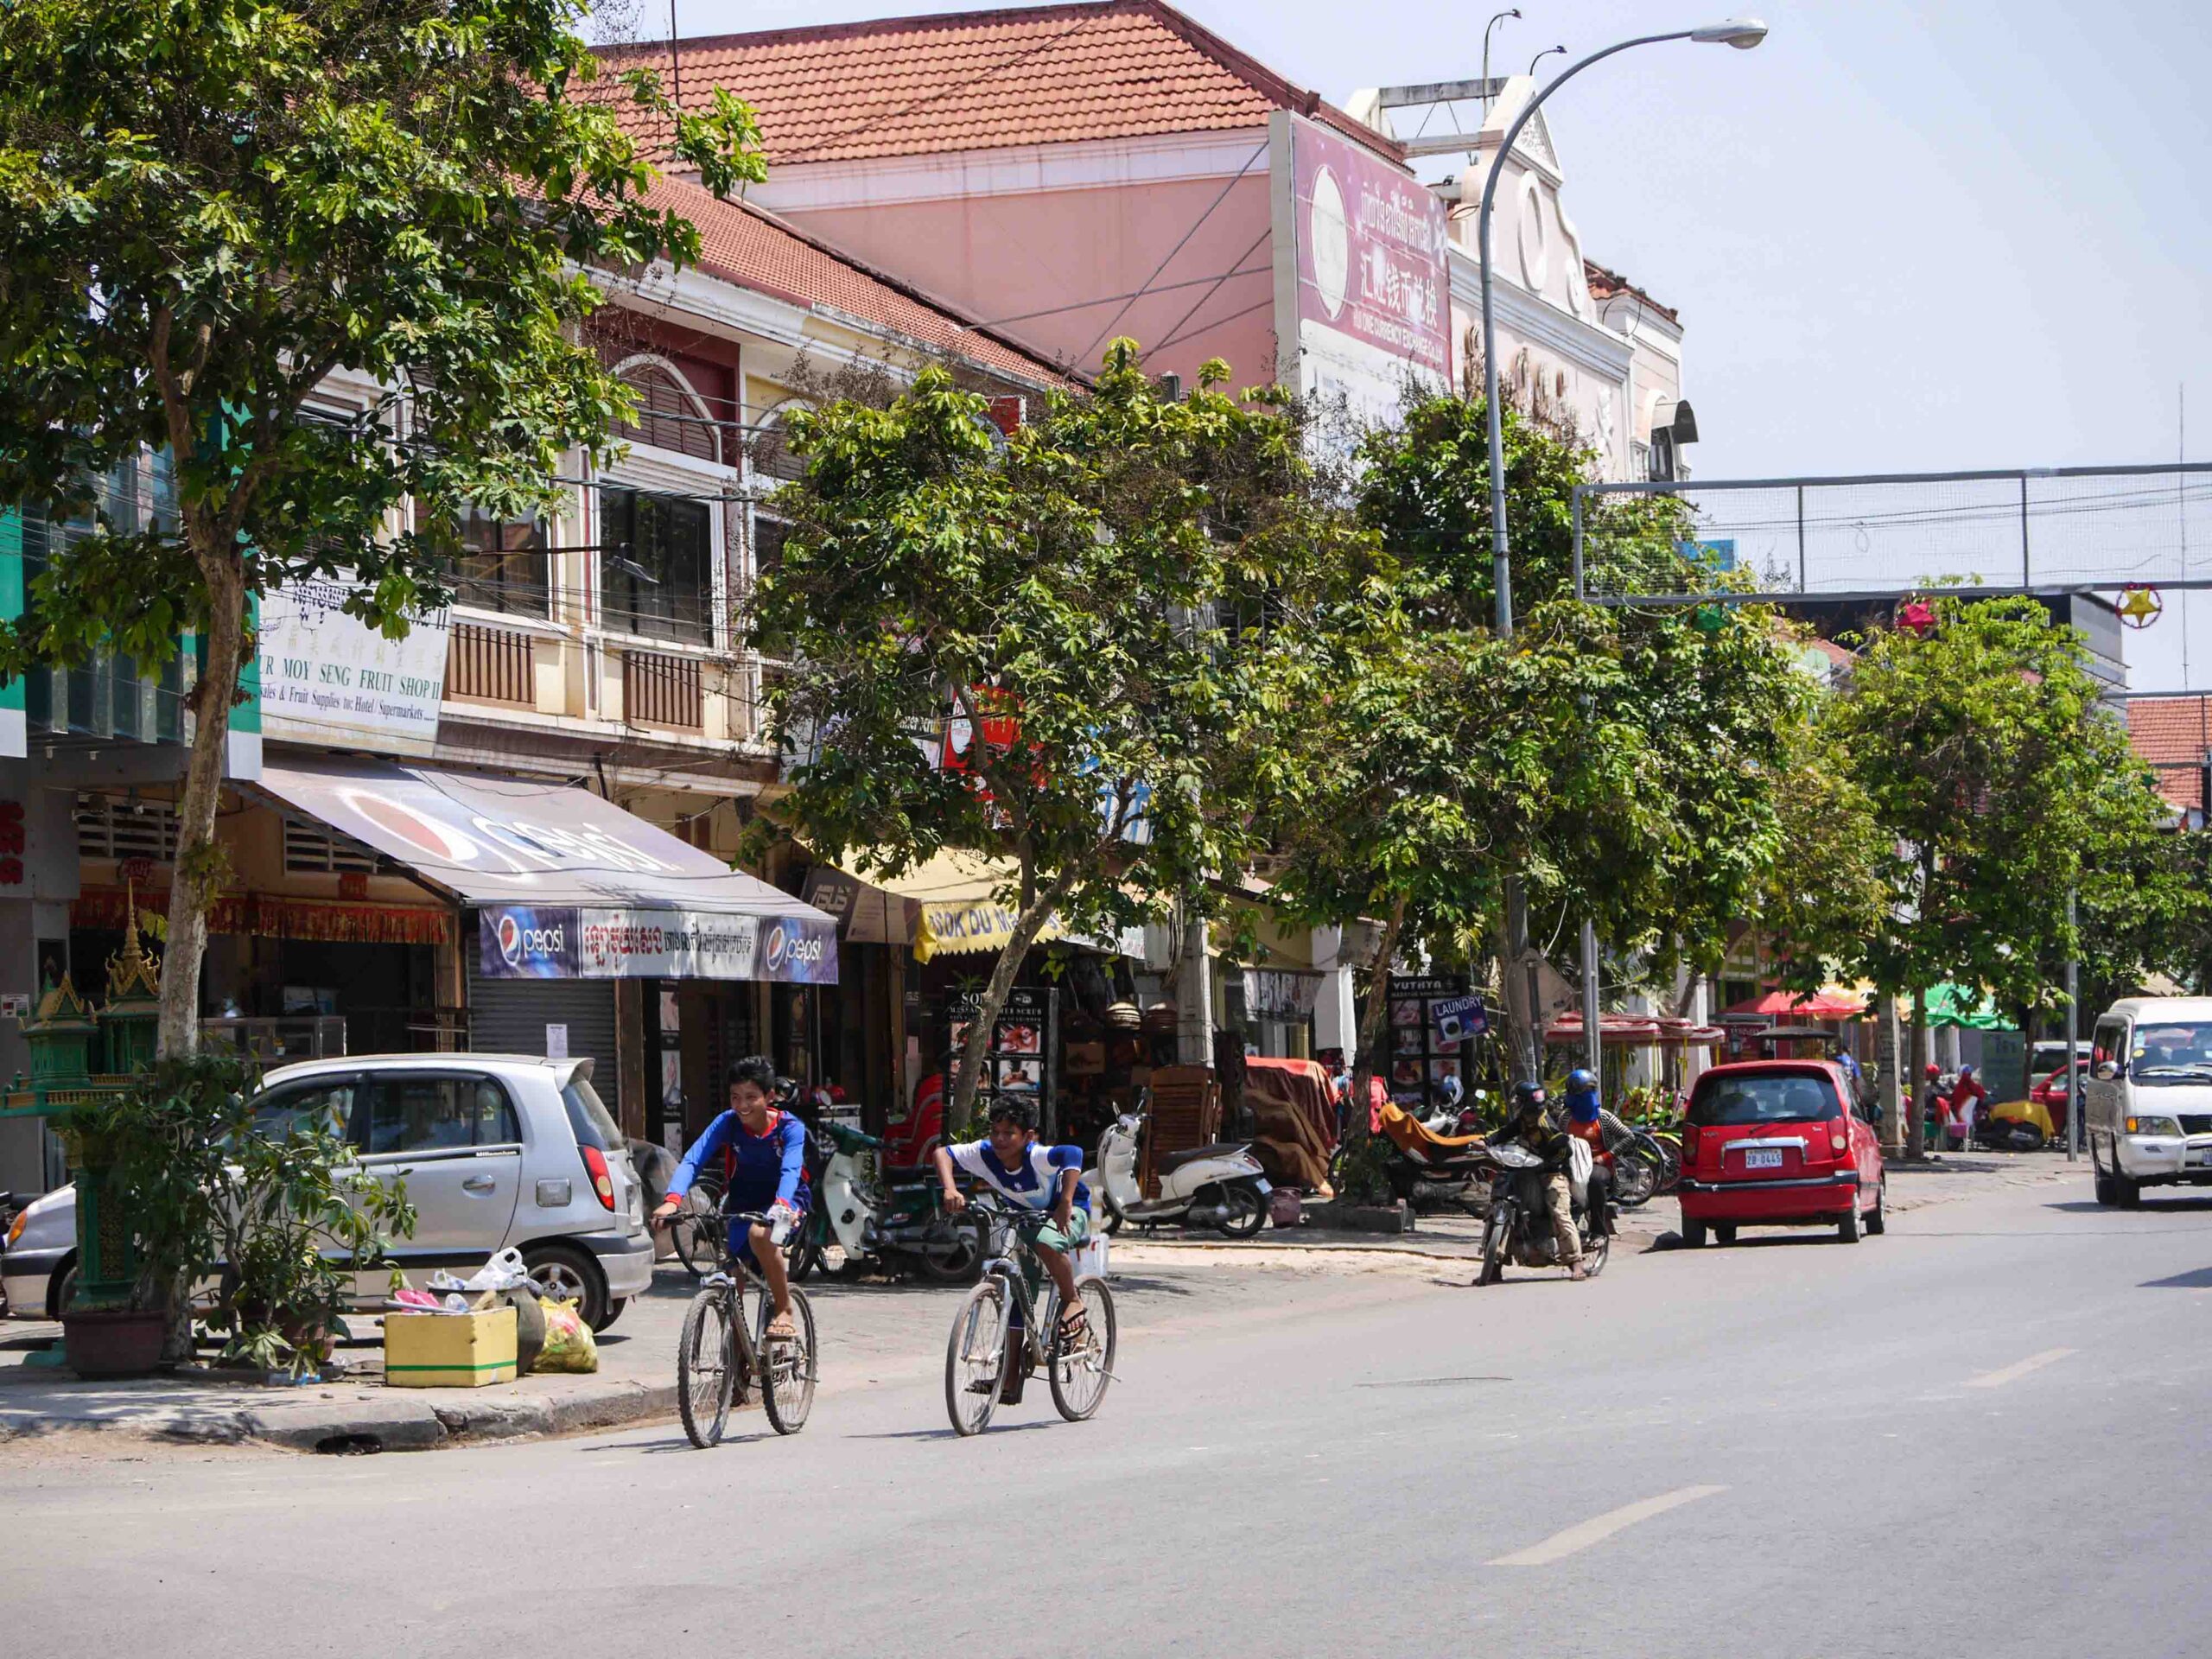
(705,1373)
(1081,1370)
(976,1357)
(787,1368)
(696,1230)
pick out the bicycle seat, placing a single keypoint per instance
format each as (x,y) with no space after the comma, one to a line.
(1167,1160)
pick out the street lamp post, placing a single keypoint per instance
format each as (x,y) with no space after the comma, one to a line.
(1742,34)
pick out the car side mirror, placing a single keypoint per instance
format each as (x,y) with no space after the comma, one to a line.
(2111,1071)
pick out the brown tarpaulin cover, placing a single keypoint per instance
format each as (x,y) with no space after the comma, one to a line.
(1296,1120)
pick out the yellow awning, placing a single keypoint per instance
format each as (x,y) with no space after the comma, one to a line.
(960,911)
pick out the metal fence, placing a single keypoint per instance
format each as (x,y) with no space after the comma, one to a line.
(2044,531)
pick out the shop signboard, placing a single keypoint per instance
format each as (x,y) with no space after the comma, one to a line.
(1279,993)
(1024,1055)
(527,942)
(1361,289)
(329,678)
(1431,1034)
(600,942)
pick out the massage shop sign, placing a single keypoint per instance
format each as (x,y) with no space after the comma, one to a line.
(594,942)
(329,678)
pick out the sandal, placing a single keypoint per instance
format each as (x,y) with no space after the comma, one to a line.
(1074,1325)
(781,1329)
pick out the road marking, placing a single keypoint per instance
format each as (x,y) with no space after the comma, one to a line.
(1600,1528)
(2014,1373)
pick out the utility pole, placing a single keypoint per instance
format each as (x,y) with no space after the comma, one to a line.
(2073,1038)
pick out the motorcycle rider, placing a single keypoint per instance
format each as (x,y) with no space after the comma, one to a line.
(1531,1127)
(1583,1107)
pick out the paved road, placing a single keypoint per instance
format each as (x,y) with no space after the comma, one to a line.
(1982,1435)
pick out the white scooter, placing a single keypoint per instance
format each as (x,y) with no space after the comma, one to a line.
(1220,1186)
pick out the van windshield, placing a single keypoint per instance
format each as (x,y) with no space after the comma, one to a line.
(1773,1098)
(2169,1053)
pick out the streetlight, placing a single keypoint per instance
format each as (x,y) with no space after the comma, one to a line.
(1742,33)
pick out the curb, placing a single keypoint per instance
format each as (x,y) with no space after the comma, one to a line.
(378,1424)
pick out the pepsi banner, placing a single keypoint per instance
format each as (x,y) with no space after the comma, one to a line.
(527,942)
(590,942)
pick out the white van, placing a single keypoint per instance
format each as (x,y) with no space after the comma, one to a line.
(2147,1101)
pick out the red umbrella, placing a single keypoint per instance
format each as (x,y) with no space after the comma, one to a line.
(1831,1003)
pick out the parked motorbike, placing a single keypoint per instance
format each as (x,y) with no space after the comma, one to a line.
(1220,1186)
(865,1214)
(1416,1156)
(1519,1228)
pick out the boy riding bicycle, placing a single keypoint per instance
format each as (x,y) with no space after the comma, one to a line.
(763,1151)
(1011,1163)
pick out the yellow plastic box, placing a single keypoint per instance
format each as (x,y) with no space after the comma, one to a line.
(449,1351)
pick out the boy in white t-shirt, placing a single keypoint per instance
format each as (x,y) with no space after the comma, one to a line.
(1029,1175)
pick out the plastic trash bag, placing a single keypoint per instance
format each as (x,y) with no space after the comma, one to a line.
(502,1272)
(569,1345)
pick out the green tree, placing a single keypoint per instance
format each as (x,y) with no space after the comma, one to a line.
(1621,762)
(2000,781)
(207,208)
(1084,598)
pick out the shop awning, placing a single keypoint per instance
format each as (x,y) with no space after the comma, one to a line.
(1636,1030)
(945,906)
(1958,1005)
(567,884)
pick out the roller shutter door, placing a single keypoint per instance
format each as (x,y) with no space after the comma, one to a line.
(509,1016)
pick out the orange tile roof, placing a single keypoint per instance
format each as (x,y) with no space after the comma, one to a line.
(980,79)
(752,248)
(1603,284)
(2173,734)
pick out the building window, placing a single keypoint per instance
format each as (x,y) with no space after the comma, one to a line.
(655,575)
(503,564)
(670,417)
(768,536)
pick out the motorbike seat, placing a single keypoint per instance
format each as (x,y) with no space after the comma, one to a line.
(1167,1160)
(908,1174)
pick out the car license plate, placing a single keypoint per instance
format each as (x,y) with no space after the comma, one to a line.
(2200,1157)
(1755,1159)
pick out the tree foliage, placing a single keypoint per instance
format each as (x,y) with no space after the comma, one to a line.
(1622,764)
(1086,597)
(209,206)
(2001,780)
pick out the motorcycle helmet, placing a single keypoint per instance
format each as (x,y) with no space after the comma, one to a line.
(1526,1096)
(1451,1091)
(1582,1096)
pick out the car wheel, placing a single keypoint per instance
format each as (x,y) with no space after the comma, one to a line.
(2127,1191)
(1724,1232)
(2108,1193)
(1692,1235)
(63,1290)
(1846,1229)
(1878,1219)
(565,1274)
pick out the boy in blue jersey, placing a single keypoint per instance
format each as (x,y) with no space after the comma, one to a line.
(762,1153)
(1030,1176)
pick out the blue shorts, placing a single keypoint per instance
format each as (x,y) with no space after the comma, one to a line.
(741,1232)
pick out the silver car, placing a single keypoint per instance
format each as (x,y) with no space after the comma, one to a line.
(496,1150)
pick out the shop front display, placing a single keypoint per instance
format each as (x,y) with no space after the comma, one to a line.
(1024,1055)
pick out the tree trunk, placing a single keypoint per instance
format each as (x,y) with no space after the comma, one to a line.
(1916,1128)
(1035,915)
(1374,1022)
(200,865)
(1524,1037)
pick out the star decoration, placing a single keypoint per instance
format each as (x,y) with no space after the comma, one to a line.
(1916,616)
(2140,606)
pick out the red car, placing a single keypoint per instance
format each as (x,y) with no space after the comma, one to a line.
(1777,1143)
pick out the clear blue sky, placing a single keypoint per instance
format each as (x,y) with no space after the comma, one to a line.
(1957,234)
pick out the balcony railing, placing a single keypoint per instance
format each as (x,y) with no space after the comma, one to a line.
(659,690)
(490,665)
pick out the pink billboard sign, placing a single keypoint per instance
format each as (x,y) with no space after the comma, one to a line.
(1370,245)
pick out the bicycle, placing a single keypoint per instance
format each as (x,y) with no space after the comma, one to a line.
(996,1343)
(722,1354)
(696,1232)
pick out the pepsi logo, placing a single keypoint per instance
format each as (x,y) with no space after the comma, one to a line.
(788,944)
(510,940)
